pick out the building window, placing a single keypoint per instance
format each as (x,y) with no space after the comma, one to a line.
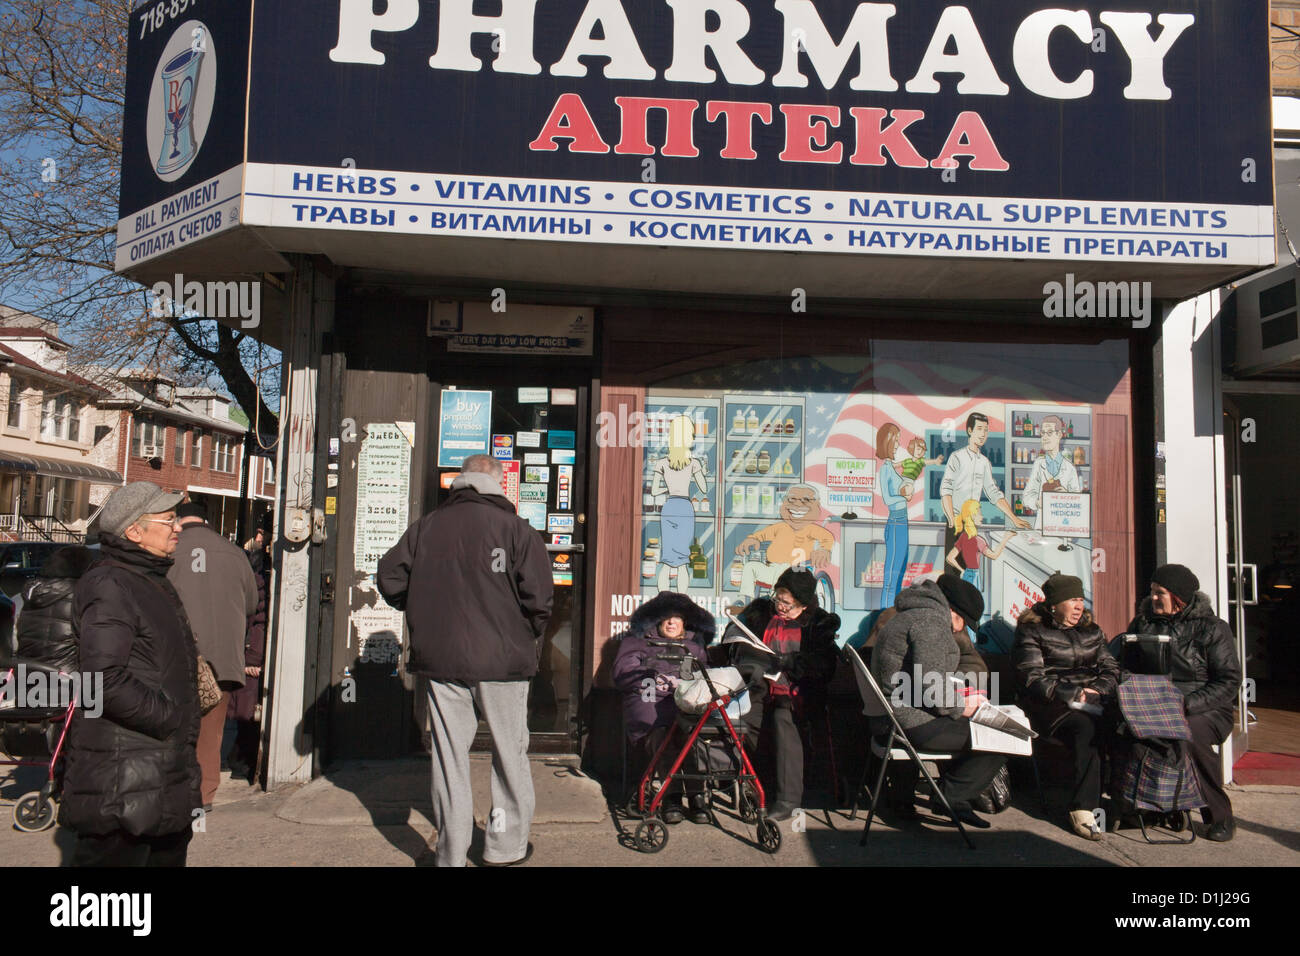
(268,471)
(196,447)
(60,418)
(148,438)
(223,453)
(15,419)
(179,456)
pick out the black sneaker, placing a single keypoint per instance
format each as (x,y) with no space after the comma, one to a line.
(1216,832)
(699,810)
(673,813)
(969,817)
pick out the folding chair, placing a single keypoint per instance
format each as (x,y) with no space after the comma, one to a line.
(876,704)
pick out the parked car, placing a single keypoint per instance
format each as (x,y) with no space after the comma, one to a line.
(20,561)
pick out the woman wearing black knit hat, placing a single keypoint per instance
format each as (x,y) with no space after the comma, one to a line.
(1205,670)
(803,637)
(1068,680)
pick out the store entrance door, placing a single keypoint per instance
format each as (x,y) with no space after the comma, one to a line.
(532,415)
(1242,576)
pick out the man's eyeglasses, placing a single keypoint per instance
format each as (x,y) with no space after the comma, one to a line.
(173,520)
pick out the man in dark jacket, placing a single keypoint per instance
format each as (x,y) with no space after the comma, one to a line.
(46,632)
(802,635)
(1207,673)
(132,779)
(219,592)
(475,582)
(915,658)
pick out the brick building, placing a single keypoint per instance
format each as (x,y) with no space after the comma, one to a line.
(183,439)
(48,443)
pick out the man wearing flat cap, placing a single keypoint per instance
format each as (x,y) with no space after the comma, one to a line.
(924,639)
(132,779)
(1207,673)
(219,592)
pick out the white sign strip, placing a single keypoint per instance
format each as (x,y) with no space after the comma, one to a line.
(729,218)
(187,217)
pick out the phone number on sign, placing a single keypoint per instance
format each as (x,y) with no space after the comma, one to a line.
(155,17)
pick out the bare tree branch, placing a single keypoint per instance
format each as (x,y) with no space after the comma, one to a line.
(62,88)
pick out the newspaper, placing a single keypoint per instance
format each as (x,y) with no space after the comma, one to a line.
(1001,730)
(750,639)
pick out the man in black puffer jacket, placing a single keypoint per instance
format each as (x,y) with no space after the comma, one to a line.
(1206,671)
(45,628)
(132,779)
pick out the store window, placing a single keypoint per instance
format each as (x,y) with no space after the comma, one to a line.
(14,415)
(874,472)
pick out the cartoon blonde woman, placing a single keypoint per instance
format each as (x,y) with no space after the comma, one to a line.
(970,544)
(675,473)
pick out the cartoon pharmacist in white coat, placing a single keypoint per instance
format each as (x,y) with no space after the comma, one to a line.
(1052,471)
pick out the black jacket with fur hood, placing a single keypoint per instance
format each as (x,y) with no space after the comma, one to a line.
(1206,669)
(1053,664)
(46,632)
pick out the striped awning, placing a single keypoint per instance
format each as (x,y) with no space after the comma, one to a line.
(54,468)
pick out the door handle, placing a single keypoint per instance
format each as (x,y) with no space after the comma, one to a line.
(1251,571)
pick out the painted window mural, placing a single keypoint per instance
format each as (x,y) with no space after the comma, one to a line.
(874,472)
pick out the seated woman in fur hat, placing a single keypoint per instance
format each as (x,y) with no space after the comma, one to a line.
(786,687)
(647,681)
(1068,682)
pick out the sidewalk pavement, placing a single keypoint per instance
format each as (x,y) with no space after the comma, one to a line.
(377,814)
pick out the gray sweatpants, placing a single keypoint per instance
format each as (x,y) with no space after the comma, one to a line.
(452,723)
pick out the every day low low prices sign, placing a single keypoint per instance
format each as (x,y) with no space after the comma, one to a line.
(464,426)
(989,128)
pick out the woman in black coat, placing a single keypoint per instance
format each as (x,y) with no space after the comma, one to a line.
(1207,673)
(1068,682)
(132,781)
(802,636)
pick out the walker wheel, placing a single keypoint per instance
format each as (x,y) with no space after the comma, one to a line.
(1179,821)
(651,835)
(769,836)
(31,815)
(748,803)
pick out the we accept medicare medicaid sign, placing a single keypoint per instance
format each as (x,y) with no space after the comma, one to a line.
(1134,131)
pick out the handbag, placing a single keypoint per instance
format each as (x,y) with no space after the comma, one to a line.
(209,691)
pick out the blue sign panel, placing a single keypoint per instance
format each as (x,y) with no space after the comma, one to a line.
(464,426)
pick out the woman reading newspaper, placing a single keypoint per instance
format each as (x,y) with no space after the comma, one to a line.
(786,650)
(1068,681)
